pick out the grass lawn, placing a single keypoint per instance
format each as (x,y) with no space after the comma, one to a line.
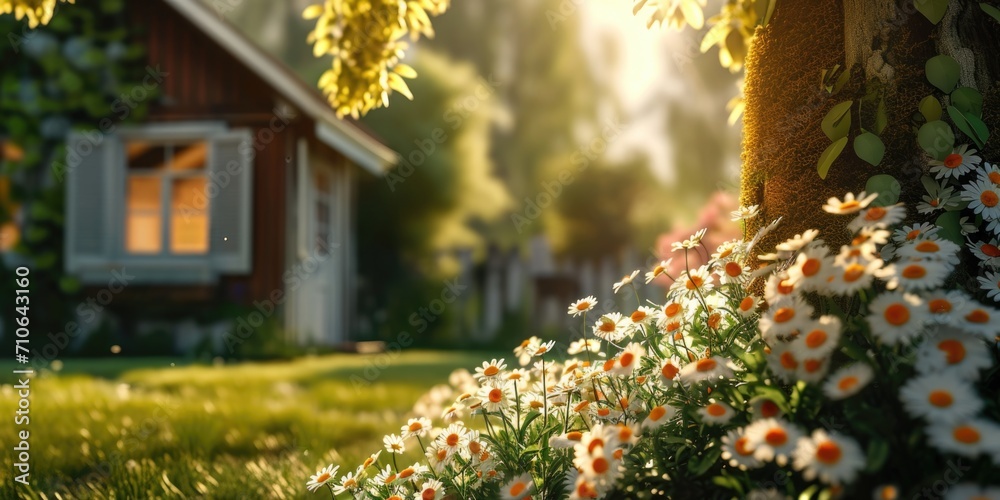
(141,428)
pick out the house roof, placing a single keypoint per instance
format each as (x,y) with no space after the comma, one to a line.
(339,134)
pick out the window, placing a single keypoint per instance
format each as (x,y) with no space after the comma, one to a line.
(324,200)
(166,207)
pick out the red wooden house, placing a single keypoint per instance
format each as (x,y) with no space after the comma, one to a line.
(237,186)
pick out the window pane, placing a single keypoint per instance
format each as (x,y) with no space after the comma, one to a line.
(189,156)
(189,216)
(143,226)
(142,154)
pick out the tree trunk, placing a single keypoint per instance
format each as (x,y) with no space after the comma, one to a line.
(885,45)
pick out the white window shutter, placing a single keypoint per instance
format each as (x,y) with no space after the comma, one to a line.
(230,193)
(91,167)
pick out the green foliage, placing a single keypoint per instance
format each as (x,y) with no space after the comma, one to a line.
(887,187)
(869,148)
(933,10)
(837,122)
(930,108)
(936,138)
(971,125)
(830,155)
(943,72)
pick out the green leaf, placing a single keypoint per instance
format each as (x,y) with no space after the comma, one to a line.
(881,119)
(69,284)
(869,148)
(526,422)
(808,492)
(700,464)
(728,482)
(933,10)
(951,229)
(930,107)
(878,453)
(943,72)
(991,10)
(887,187)
(968,100)
(970,126)
(932,187)
(827,158)
(837,123)
(937,139)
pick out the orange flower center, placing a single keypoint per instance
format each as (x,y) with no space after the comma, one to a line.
(914,272)
(966,434)
(941,399)
(850,205)
(990,250)
(912,235)
(978,316)
(452,439)
(491,371)
(609,364)
(657,413)
(582,405)
(928,247)
(638,316)
(716,410)
(415,426)
(694,282)
(989,199)
(953,349)
(853,273)
(601,465)
(607,326)
(815,339)
(935,202)
(594,444)
(747,303)
(518,488)
(627,359)
(669,371)
(953,160)
(897,314)
(496,395)
(672,309)
(741,446)
(847,383)
(733,269)
(350,483)
(705,365)
(784,315)
(407,472)
(810,267)
(574,436)
(776,437)
(583,306)
(390,479)
(788,361)
(875,214)
(785,287)
(828,452)
(324,477)
(812,365)
(938,306)
(769,409)
(994,177)
(428,494)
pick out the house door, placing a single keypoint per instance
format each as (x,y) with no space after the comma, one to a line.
(321,309)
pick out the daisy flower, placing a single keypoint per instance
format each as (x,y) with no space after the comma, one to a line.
(490,370)
(660,268)
(834,458)
(629,359)
(386,476)
(642,315)
(584,488)
(988,252)
(797,242)
(782,362)
(848,381)
(983,198)
(611,327)
(940,397)
(716,413)
(737,450)
(543,348)
(978,319)
(748,306)
(371,460)
(347,484)
(710,369)
(526,350)
(811,269)
(817,338)
(773,439)
(626,280)
(931,249)
(733,272)
(432,489)
(692,282)
(923,230)
(812,369)
(669,369)
(394,443)
(322,477)
(896,317)
(970,438)
(745,213)
(850,205)
(878,217)
(990,282)
(851,276)
(914,275)
(990,172)
(416,427)
(496,399)
(583,345)
(944,198)
(689,243)
(454,438)
(955,352)
(763,407)
(961,161)
(658,416)
(943,306)
(886,492)
(729,251)
(785,317)
(581,306)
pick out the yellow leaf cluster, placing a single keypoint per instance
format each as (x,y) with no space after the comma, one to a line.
(733,31)
(36,11)
(676,13)
(366,41)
